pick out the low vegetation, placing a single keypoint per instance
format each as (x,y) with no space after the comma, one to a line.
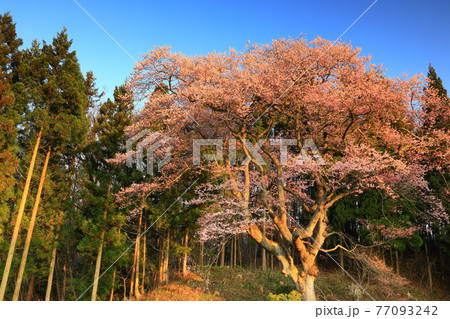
(239,284)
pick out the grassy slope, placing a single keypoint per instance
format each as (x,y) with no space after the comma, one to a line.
(223,283)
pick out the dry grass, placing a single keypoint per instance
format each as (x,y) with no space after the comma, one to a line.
(178,292)
(223,283)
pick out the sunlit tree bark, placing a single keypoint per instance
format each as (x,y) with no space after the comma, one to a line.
(30,229)
(15,235)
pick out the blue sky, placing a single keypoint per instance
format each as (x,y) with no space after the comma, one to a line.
(403,35)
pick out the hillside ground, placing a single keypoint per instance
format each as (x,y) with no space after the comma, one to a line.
(239,284)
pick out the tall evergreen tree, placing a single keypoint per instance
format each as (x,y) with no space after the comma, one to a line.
(57,114)
(102,220)
(439,120)
(439,178)
(10,55)
(64,131)
(436,82)
(8,159)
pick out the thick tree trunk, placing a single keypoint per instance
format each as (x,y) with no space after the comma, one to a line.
(291,271)
(308,255)
(15,235)
(309,293)
(26,248)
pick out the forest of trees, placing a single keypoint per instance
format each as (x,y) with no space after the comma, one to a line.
(78,222)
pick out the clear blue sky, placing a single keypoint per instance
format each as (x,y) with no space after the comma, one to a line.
(404,35)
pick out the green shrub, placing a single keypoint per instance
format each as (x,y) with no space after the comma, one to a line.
(283,289)
(294,295)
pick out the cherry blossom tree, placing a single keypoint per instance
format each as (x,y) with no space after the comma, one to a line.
(365,125)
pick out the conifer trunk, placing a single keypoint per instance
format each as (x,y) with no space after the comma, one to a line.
(98,261)
(232,252)
(235,252)
(30,229)
(200,254)
(97,266)
(263,259)
(222,255)
(144,259)
(50,275)
(161,261)
(263,251)
(391,258)
(249,254)
(23,201)
(185,256)
(271,261)
(124,279)
(111,296)
(341,256)
(397,263)
(132,281)
(52,267)
(240,250)
(166,260)
(31,288)
(430,276)
(137,292)
(64,287)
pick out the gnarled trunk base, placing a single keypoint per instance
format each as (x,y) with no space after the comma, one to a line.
(309,293)
(304,285)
